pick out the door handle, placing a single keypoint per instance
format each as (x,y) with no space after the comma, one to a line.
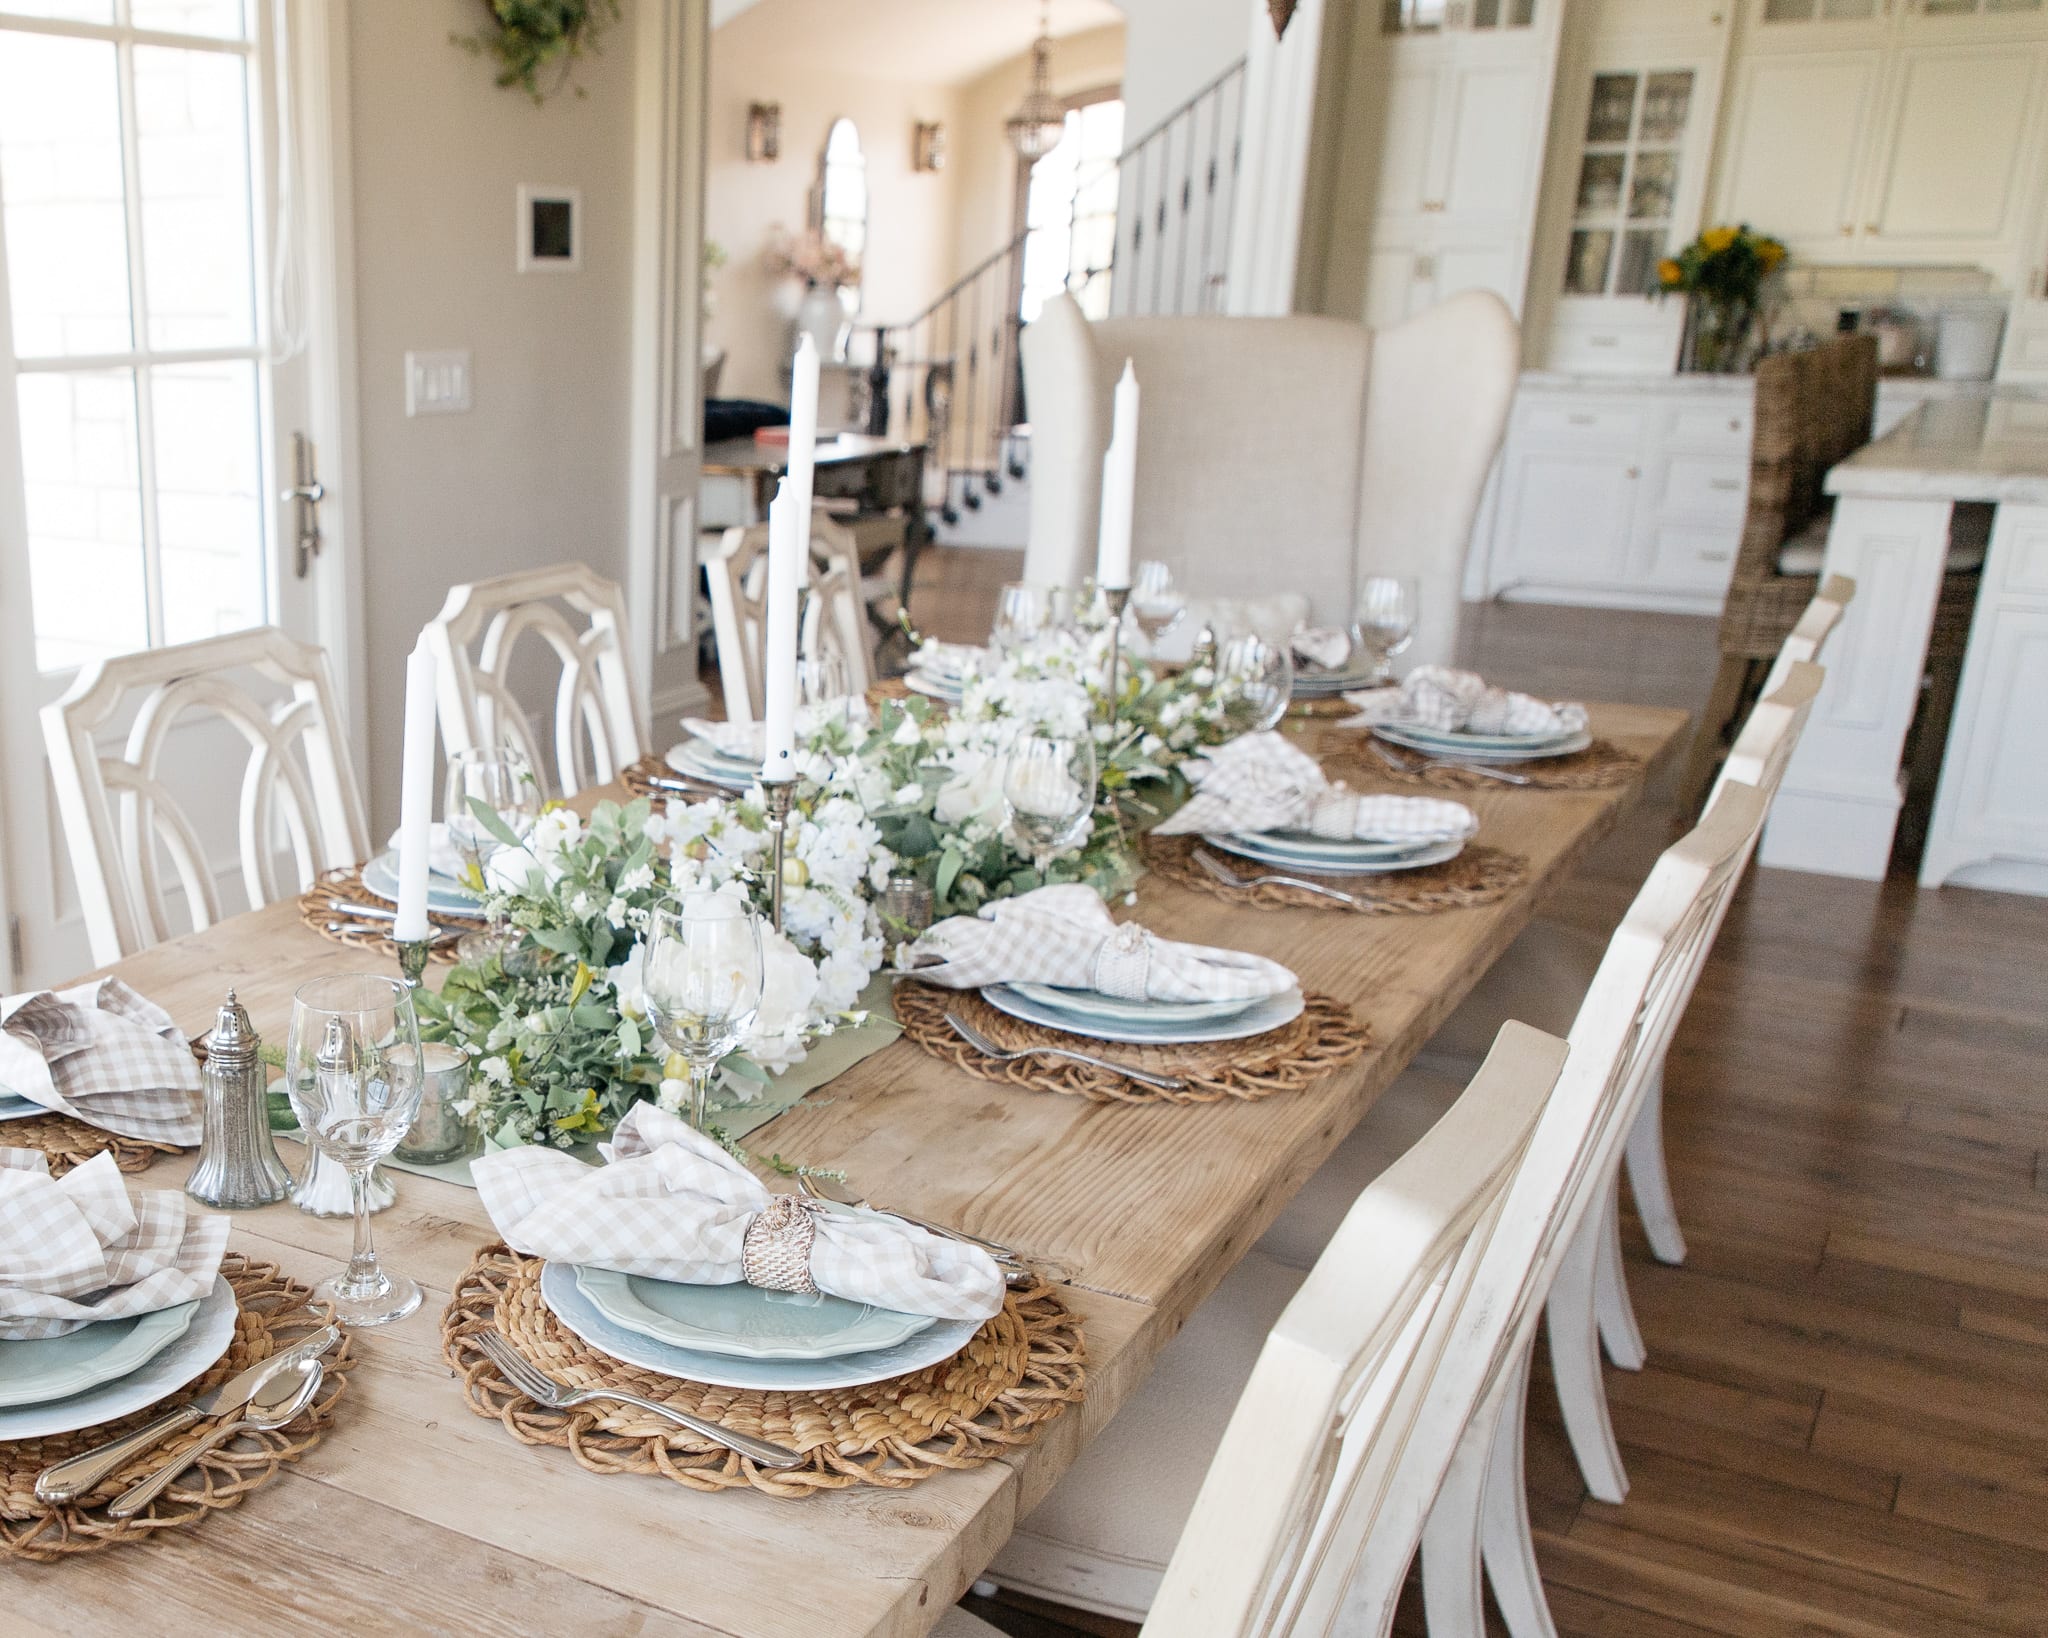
(305,495)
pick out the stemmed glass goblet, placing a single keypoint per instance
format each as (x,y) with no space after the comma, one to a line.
(1049,786)
(1389,608)
(1022,612)
(703,983)
(354,1076)
(1157,604)
(1257,680)
(500,781)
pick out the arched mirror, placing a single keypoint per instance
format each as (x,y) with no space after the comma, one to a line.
(842,201)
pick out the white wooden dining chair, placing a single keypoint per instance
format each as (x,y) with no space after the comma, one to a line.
(1588,1299)
(736,579)
(1545,972)
(1322,1473)
(579,618)
(126,811)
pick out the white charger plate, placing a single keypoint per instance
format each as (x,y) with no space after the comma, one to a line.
(568,1303)
(949,693)
(1466,738)
(1261,849)
(1322,684)
(1465,750)
(1256,1019)
(1352,849)
(445,896)
(745,1321)
(708,766)
(205,1339)
(1116,1009)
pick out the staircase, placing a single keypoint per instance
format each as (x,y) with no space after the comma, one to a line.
(950,377)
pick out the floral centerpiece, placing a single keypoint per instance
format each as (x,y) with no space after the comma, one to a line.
(557,1028)
(1722,274)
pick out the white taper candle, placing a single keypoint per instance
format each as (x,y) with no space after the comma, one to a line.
(416,795)
(1119,487)
(778,663)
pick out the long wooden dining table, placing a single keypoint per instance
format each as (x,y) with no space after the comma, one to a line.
(415,1515)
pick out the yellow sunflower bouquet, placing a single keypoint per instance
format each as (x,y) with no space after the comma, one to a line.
(1722,273)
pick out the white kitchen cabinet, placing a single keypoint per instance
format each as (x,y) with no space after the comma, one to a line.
(1903,133)
(1990,822)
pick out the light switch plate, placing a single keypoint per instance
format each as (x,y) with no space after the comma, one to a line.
(437,383)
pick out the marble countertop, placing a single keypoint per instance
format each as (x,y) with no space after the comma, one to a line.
(1960,449)
(1912,387)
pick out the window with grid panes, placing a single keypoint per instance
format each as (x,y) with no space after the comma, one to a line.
(1628,181)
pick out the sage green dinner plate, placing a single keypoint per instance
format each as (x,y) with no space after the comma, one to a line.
(35,1370)
(744,1320)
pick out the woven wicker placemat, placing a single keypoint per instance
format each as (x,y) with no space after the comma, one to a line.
(1018,1372)
(316,910)
(1479,875)
(66,1143)
(274,1313)
(1600,766)
(1323,1038)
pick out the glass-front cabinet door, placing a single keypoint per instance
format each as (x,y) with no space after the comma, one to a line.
(1434,16)
(1627,190)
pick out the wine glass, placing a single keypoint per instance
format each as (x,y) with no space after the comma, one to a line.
(1156,602)
(501,781)
(1049,785)
(1388,608)
(703,983)
(1256,678)
(1022,612)
(354,1075)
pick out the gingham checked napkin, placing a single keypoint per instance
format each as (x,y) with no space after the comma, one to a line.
(80,1248)
(672,1205)
(1260,782)
(1436,696)
(1064,935)
(102,1054)
(1323,647)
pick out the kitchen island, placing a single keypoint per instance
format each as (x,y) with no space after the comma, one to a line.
(1895,499)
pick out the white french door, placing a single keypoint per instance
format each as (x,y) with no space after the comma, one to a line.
(157,374)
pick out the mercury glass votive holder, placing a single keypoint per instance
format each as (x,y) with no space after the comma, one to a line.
(906,910)
(442,1131)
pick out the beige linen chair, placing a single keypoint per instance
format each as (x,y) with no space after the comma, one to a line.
(1284,454)
(121,811)
(1350,1408)
(476,640)
(833,618)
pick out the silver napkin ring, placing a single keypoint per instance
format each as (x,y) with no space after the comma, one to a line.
(776,1254)
(1123,963)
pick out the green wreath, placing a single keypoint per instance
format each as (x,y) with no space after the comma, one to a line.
(525,36)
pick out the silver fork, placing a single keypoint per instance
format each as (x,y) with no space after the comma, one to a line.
(1415,762)
(545,1390)
(1230,878)
(988,1049)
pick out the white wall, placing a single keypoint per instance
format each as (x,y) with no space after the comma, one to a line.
(760,57)
(1175,47)
(536,471)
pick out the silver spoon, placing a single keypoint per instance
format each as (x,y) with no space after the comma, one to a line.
(280,1400)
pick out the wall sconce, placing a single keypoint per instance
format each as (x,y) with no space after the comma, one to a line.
(927,146)
(764,132)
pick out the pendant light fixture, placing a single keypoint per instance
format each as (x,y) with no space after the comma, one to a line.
(1041,118)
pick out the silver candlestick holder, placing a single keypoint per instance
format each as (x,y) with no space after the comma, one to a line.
(779,793)
(412,960)
(1116,599)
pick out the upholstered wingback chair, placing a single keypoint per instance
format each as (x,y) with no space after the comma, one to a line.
(1277,454)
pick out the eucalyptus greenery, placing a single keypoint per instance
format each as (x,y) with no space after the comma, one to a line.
(527,37)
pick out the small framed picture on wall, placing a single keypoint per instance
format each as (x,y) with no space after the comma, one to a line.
(550,228)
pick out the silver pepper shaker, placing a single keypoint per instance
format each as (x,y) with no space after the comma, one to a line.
(238,1165)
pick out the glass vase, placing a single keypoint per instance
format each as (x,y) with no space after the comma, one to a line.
(1717,336)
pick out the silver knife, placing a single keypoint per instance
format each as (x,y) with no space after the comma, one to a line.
(68,1480)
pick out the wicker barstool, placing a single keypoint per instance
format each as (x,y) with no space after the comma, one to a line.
(1813,409)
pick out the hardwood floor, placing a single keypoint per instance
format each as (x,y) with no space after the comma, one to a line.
(1843,1426)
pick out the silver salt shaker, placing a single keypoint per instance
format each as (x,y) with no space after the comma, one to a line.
(238,1166)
